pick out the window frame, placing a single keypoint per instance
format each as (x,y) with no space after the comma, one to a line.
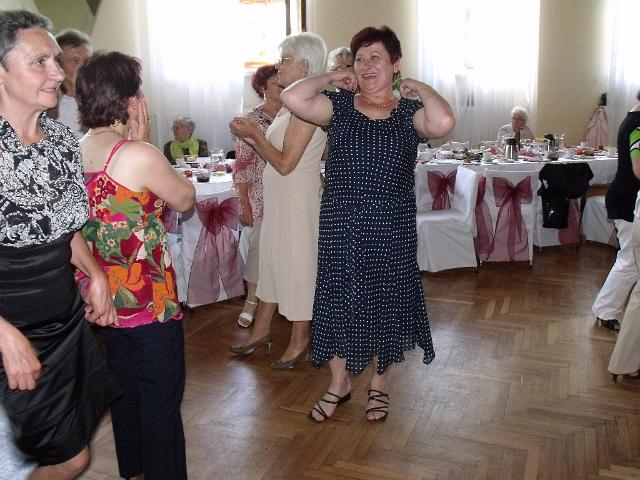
(251,66)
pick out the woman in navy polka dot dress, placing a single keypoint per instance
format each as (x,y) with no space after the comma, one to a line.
(369,305)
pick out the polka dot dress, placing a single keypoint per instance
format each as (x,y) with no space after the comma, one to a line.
(368,298)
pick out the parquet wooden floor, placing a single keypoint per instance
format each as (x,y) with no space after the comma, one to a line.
(518,390)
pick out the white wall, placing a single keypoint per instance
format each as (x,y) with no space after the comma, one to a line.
(572,66)
(14,4)
(338,20)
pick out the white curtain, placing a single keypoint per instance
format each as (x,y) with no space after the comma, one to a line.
(483,58)
(624,72)
(194,67)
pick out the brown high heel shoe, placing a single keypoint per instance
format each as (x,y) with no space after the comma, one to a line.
(249,348)
(289,364)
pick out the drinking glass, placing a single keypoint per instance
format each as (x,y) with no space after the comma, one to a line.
(217,159)
(423,150)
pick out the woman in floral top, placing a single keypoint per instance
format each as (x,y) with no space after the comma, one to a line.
(248,179)
(128,182)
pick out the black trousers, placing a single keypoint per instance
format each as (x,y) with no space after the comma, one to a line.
(148,362)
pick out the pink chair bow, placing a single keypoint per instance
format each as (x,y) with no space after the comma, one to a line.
(484,227)
(170,219)
(216,257)
(510,240)
(441,187)
(571,234)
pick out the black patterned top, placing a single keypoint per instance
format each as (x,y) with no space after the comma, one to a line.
(42,194)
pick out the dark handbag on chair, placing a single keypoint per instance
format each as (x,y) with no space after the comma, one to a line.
(560,183)
(555,211)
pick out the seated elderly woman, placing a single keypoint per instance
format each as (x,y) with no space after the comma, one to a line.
(184,142)
(340,58)
(518,126)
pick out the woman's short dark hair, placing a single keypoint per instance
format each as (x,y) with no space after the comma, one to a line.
(104,85)
(370,35)
(11,22)
(259,79)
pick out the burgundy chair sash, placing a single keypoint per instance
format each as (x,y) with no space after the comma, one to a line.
(571,234)
(441,187)
(170,219)
(484,227)
(216,257)
(613,239)
(510,240)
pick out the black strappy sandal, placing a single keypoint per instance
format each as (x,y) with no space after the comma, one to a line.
(381,397)
(318,408)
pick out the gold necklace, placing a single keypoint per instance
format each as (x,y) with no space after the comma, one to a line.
(379,105)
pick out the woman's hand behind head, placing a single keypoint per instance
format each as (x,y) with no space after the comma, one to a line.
(138,119)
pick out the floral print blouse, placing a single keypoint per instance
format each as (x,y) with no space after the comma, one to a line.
(42,196)
(128,239)
(250,165)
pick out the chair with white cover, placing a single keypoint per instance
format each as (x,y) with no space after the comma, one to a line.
(510,197)
(445,237)
(596,226)
(435,183)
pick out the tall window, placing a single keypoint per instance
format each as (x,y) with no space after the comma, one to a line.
(265,24)
(481,68)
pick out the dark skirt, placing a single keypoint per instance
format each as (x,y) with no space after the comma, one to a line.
(54,422)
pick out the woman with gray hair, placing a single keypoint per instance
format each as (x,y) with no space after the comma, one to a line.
(184,143)
(289,238)
(339,58)
(518,126)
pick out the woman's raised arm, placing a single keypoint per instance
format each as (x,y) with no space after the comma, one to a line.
(436,118)
(305,100)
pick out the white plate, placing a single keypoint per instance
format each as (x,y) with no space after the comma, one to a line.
(452,161)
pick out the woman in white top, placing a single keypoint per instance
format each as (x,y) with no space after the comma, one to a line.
(518,126)
(292,149)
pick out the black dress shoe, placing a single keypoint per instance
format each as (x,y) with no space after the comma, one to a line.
(610,324)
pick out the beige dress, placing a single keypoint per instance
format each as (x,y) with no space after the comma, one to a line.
(289,237)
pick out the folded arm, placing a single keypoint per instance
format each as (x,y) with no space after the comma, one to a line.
(436,118)
(305,99)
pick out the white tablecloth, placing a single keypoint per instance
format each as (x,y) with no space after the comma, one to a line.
(603,168)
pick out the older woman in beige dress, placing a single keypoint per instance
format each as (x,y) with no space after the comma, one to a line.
(289,237)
